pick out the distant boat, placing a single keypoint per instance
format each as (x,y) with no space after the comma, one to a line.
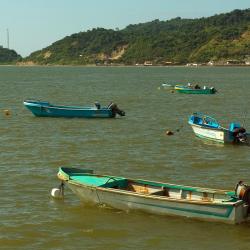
(194,89)
(45,109)
(207,127)
(156,197)
(167,86)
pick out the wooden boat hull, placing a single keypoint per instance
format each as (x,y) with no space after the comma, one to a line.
(178,204)
(44,109)
(123,201)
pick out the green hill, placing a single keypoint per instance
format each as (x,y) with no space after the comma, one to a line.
(178,41)
(8,56)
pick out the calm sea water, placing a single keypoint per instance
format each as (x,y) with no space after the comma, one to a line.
(33,148)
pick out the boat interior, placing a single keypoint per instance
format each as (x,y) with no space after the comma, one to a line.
(47,104)
(171,191)
(203,120)
(155,189)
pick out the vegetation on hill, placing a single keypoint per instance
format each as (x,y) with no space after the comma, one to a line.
(8,56)
(178,41)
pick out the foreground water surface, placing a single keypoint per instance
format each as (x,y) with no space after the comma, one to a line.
(133,146)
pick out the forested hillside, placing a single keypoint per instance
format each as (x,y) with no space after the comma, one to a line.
(177,41)
(8,56)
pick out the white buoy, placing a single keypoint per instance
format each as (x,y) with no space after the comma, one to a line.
(57,193)
(7,112)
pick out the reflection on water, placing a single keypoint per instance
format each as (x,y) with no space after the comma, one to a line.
(135,146)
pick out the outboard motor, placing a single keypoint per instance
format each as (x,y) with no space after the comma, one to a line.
(213,89)
(115,110)
(98,105)
(240,135)
(242,191)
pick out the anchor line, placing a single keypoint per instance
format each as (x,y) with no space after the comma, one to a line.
(61,187)
(100,203)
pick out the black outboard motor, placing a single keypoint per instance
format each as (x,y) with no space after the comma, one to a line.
(98,105)
(242,191)
(240,135)
(115,110)
(213,90)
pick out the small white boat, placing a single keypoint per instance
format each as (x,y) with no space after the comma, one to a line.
(206,127)
(158,198)
(167,86)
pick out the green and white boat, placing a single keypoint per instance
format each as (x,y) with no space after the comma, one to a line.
(195,89)
(158,198)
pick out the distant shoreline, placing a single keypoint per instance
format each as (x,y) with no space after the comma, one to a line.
(134,66)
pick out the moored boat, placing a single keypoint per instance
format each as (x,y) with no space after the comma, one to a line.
(167,86)
(45,109)
(158,198)
(207,127)
(194,89)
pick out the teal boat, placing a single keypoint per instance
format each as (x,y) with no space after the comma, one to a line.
(46,109)
(195,89)
(158,198)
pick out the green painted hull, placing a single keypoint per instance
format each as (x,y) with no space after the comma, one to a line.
(195,91)
(155,197)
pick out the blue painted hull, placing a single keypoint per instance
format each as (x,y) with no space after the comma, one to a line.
(45,109)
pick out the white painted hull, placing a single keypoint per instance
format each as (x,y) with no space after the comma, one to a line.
(219,135)
(232,213)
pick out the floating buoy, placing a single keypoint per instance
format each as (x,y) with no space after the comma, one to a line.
(6,112)
(57,193)
(169,132)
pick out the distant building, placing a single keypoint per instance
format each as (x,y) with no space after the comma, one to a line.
(168,63)
(191,64)
(210,63)
(230,62)
(148,63)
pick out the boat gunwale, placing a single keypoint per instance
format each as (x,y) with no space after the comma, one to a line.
(62,173)
(222,129)
(157,197)
(50,106)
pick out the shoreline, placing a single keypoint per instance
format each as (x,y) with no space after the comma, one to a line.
(123,65)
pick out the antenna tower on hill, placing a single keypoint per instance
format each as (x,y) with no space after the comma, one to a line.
(8,39)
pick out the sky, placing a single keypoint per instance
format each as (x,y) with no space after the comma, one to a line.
(35,24)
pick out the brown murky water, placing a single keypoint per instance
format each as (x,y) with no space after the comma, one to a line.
(33,148)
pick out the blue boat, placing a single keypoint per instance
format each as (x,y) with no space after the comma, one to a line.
(206,127)
(45,109)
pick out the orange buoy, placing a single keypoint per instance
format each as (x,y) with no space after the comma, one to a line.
(6,112)
(169,132)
